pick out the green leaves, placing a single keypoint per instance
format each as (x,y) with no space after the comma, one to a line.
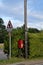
(2,30)
(35,43)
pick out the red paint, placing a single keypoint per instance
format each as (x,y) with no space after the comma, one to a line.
(20,44)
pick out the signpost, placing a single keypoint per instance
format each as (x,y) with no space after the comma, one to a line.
(9,29)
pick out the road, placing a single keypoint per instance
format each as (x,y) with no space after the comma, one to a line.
(2,55)
(37,62)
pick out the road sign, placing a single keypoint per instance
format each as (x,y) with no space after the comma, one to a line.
(9,26)
(9,29)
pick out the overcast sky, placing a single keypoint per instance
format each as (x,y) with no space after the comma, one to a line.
(14,10)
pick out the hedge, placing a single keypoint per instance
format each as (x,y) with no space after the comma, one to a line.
(35,44)
(14,44)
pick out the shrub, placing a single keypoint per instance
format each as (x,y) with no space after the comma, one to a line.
(35,45)
(14,43)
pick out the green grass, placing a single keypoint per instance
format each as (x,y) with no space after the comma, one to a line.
(12,60)
(1,45)
(16,60)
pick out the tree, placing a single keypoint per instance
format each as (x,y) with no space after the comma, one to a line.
(2,30)
(33,30)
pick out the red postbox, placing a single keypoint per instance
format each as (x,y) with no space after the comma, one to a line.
(20,44)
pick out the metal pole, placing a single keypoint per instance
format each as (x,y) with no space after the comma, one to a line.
(9,45)
(25,23)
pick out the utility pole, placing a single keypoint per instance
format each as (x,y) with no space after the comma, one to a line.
(25,23)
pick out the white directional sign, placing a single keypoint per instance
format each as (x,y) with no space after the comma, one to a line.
(9,26)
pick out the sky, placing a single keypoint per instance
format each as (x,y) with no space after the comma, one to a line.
(14,10)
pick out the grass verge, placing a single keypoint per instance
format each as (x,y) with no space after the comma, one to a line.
(15,60)
(12,60)
(1,45)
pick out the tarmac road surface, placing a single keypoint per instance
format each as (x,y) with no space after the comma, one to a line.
(37,62)
(2,55)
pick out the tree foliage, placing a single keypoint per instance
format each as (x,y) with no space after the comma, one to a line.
(2,30)
(33,30)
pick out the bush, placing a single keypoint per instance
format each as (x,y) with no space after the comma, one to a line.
(16,35)
(35,45)
(6,45)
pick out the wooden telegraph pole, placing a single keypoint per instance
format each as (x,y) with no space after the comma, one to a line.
(25,23)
